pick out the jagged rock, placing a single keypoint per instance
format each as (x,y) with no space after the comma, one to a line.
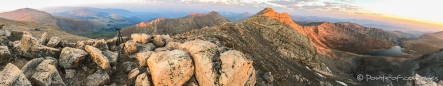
(51,60)
(133,73)
(66,44)
(172,45)
(43,39)
(160,49)
(42,51)
(12,76)
(130,47)
(4,52)
(53,42)
(170,67)
(98,78)
(252,79)
(112,56)
(30,47)
(268,77)
(28,43)
(145,47)
(141,38)
(236,68)
(142,80)
(204,56)
(71,57)
(166,39)
(46,74)
(158,41)
(80,45)
(5,32)
(142,57)
(101,44)
(98,57)
(70,73)
(30,66)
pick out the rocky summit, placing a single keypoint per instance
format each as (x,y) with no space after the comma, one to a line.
(143,62)
(265,49)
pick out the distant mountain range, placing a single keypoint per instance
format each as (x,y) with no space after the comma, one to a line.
(28,14)
(177,25)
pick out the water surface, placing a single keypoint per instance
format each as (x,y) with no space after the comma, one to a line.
(396,51)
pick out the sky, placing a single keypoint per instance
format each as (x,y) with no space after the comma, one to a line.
(411,11)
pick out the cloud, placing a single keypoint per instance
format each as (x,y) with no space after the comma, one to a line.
(346,1)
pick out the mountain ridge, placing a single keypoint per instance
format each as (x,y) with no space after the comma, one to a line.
(29,14)
(176,25)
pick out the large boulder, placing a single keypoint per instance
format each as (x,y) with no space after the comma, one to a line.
(47,75)
(158,41)
(11,75)
(28,43)
(53,42)
(236,69)
(5,32)
(101,44)
(130,47)
(97,56)
(4,52)
(205,59)
(172,68)
(141,37)
(173,45)
(112,56)
(166,38)
(30,47)
(143,57)
(30,66)
(99,78)
(43,39)
(145,47)
(80,45)
(71,57)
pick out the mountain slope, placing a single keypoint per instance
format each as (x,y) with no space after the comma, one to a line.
(394,37)
(175,26)
(339,37)
(424,44)
(274,45)
(84,13)
(28,14)
(78,26)
(51,30)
